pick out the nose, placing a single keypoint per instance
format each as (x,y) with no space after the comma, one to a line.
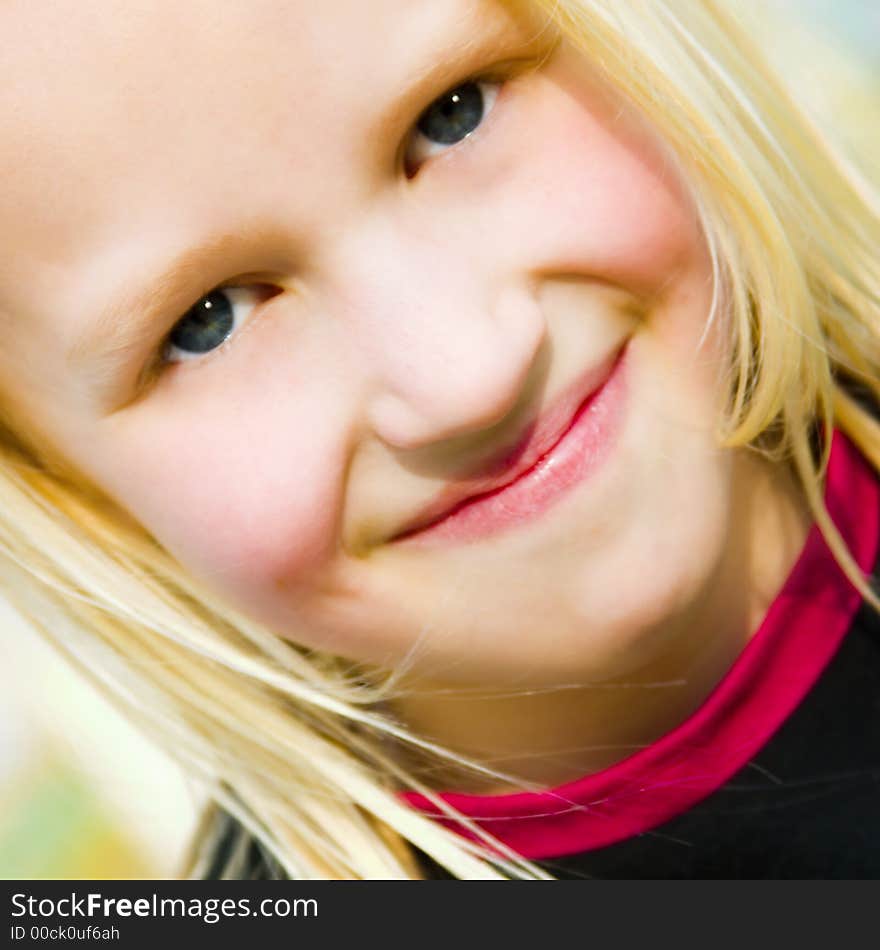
(450,344)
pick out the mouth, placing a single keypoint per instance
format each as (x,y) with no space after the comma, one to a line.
(556,452)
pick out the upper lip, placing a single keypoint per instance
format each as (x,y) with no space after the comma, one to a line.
(539,437)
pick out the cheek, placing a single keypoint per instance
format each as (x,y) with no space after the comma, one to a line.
(239,500)
(617,208)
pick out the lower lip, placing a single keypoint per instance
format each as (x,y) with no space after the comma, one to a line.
(578,453)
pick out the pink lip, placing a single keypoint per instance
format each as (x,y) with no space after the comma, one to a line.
(556,453)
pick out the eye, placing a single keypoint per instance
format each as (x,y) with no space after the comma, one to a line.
(450,119)
(210,322)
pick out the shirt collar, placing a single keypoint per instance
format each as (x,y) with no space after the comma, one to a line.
(799,635)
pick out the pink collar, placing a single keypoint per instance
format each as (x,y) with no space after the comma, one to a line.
(796,640)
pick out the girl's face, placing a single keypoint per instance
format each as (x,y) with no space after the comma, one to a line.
(412,314)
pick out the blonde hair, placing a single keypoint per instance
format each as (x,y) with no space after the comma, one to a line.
(294,745)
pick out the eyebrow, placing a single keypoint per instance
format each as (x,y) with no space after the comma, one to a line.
(125,328)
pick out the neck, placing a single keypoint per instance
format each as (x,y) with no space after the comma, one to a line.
(551,736)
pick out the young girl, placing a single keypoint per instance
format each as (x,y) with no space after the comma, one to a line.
(447,428)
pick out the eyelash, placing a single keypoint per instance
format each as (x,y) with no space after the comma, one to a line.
(160,363)
(489,89)
(231,291)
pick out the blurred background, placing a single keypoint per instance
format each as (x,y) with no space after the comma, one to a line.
(84,796)
(829,50)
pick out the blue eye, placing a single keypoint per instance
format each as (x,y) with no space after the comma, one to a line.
(209,323)
(450,119)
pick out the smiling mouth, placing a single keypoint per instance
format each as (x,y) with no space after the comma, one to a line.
(557,451)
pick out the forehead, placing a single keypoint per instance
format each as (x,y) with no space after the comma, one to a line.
(132,130)
(111,106)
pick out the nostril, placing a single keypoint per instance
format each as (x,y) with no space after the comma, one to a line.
(445,351)
(402,426)
(396,423)
(462,397)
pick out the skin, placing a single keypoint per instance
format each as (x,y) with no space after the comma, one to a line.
(411,314)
